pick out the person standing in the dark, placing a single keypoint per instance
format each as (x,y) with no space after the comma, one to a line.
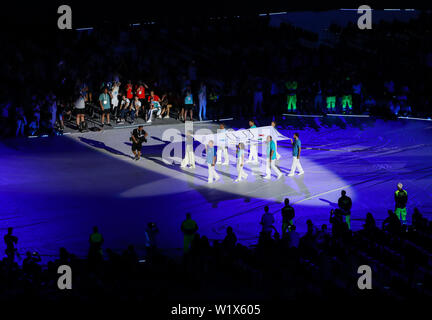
(267,221)
(96,240)
(287,217)
(105,105)
(230,239)
(151,233)
(138,137)
(10,241)
(391,223)
(345,205)
(401,199)
(189,228)
(338,224)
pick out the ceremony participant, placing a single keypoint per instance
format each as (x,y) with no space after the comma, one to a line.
(138,137)
(240,163)
(10,241)
(271,158)
(188,105)
(189,159)
(401,199)
(253,148)
(296,143)
(222,148)
(291,87)
(214,106)
(134,108)
(346,101)
(211,161)
(287,217)
(21,121)
(96,241)
(105,104)
(267,221)
(330,97)
(345,205)
(140,91)
(166,106)
(115,101)
(189,227)
(129,90)
(202,100)
(278,156)
(123,109)
(154,101)
(79,109)
(51,100)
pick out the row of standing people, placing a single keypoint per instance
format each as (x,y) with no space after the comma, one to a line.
(214,156)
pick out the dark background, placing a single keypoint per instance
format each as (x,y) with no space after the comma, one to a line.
(22,14)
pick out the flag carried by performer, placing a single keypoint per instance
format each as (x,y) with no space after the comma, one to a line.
(245,136)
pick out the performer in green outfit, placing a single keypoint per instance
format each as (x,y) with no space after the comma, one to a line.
(401,199)
(292,95)
(287,217)
(345,205)
(347,96)
(189,227)
(330,98)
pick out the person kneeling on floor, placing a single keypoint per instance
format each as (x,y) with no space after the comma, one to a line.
(138,137)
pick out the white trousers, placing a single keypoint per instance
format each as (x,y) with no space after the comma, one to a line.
(212,174)
(189,158)
(150,113)
(278,156)
(253,153)
(115,103)
(296,165)
(240,172)
(271,165)
(219,155)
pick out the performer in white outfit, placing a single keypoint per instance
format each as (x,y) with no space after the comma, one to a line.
(211,162)
(253,148)
(271,158)
(115,93)
(222,147)
(240,163)
(189,159)
(296,143)
(154,106)
(278,156)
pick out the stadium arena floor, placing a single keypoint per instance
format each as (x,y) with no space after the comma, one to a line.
(54,189)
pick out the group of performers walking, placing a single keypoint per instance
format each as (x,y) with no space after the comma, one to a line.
(215,154)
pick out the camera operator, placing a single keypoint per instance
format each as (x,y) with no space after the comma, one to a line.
(138,137)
